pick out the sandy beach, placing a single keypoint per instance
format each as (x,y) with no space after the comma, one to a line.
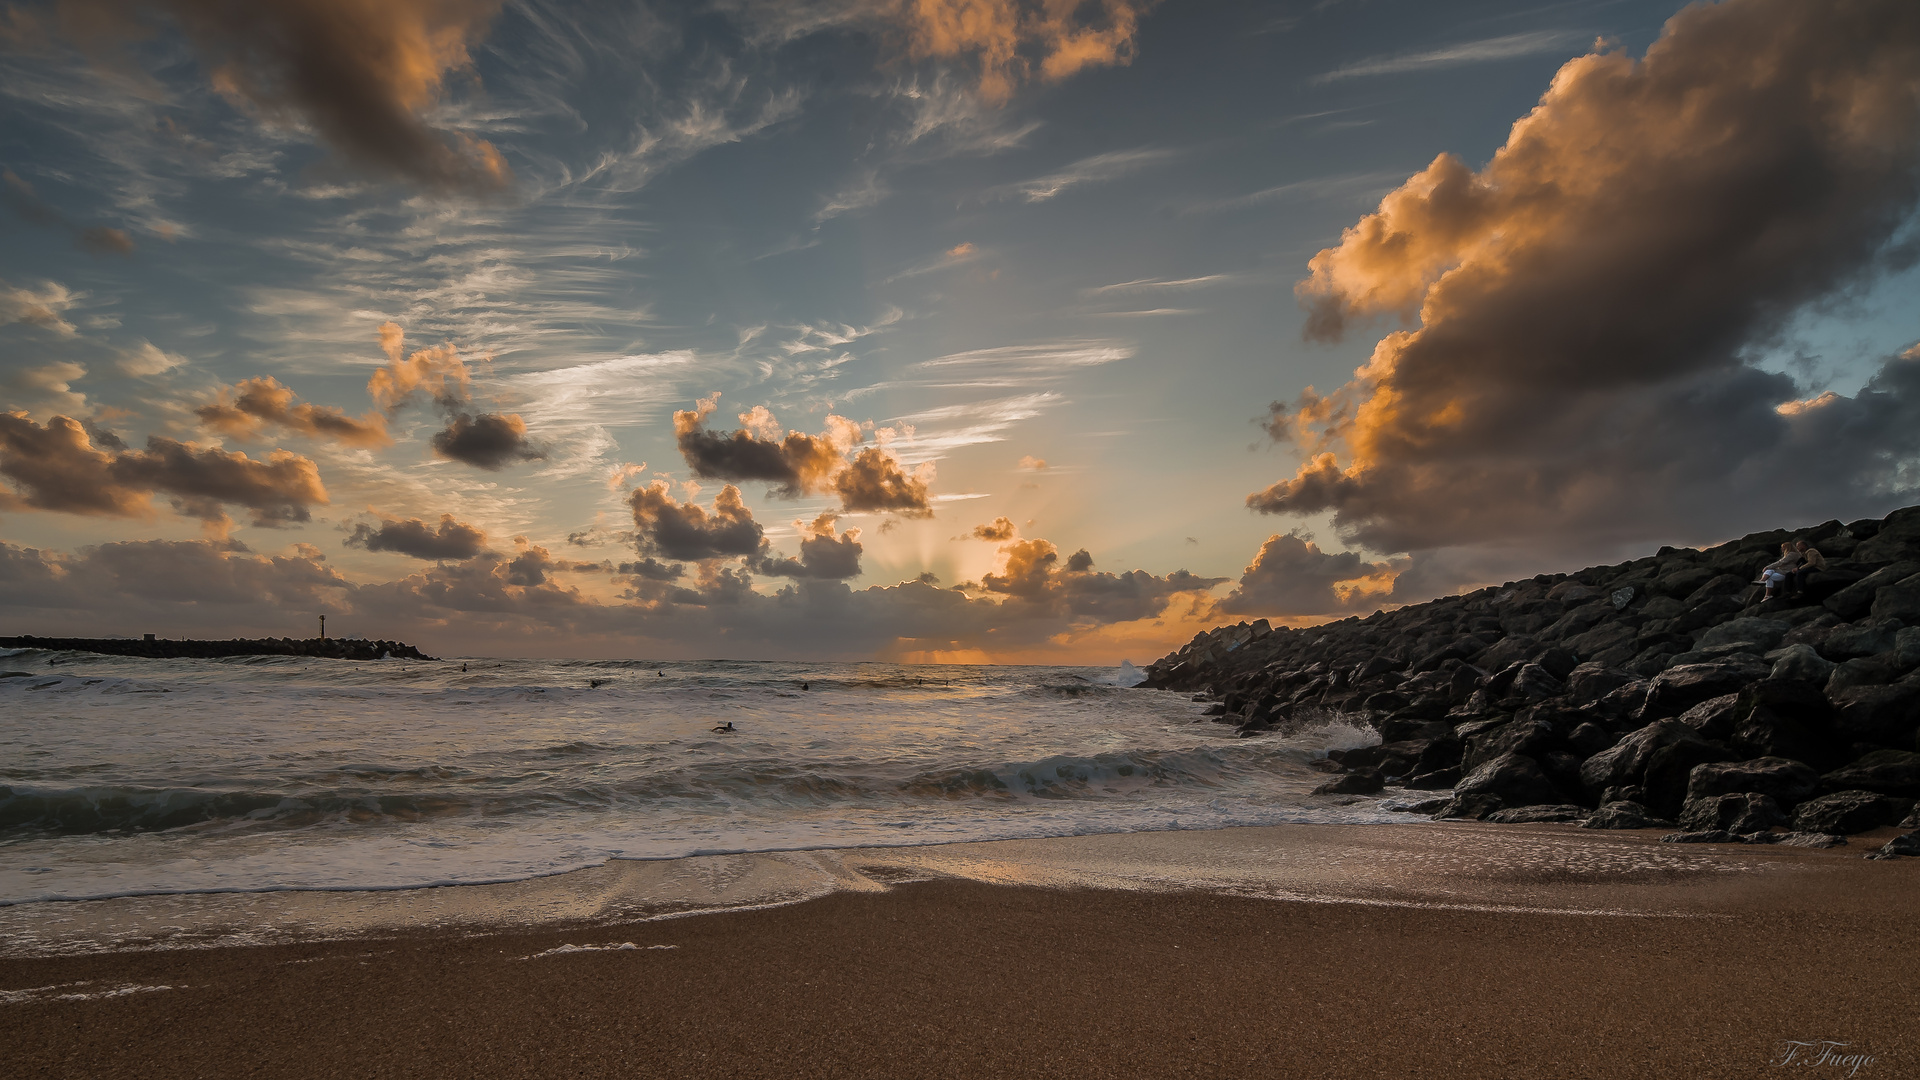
(1420,951)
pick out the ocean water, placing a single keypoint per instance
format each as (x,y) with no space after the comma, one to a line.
(129,777)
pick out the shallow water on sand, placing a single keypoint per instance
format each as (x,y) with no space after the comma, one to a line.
(123,776)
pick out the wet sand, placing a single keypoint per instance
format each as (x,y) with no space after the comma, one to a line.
(1353,951)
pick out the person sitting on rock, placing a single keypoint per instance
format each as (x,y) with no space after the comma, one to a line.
(1775,574)
(1810,560)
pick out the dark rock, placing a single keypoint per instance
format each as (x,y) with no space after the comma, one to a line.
(1632,793)
(1622,815)
(1710,836)
(1517,649)
(1715,718)
(1888,772)
(1856,600)
(1764,633)
(1354,783)
(1427,807)
(1881,714)
(1533,815)
(1558,662)
(1799,661)
(1518,736)
(1592,681)
(1799,839)
(1739,812)
(1900,845)
(1588,739)
(1626,761)
(1533,681)
(1669,771)
(1787,782)
(1408,730)
(1437,780)
(1850,812)
(1678,689)
(1475,807)
(1864,671)
(1516,779)
(1850,641)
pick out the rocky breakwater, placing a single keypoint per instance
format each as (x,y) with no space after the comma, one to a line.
(164,648)
(1661,692)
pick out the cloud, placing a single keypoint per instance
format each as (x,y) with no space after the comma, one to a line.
(1507,47)
(99,239)
(147,360)
(998,531)
(823,555)
(1089,170)
(1033,464)
(411,536)
(1011,40)
(247,407)
(41,307)
(1586,303)
(57,467)
(48,385)
(362,76)
(674,530)
(490,441)
(1033,577)
(216,584)
(1292,576)
(485,440)
(796,463)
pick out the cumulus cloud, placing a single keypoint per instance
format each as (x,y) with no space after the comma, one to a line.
(1014,40)
(49,386)
(674,530)
(796,463)
(485,440)
(1581,311)
(58,467)
(246,408)
(1292,576)
(998,531)
(823,555)
(362,76)
(1033,576)
(411,536)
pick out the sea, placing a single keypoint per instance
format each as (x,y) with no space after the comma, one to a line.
(126,777)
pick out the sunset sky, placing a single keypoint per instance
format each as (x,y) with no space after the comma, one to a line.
(1010,330)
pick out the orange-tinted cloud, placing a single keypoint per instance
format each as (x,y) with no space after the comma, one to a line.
(484,440)
(824,555)
(796,463)
(998,531)
(246,408)
(1011,40)
(362,74)
(1577,310)
(1292,576)
(1034,577)
(58,467)
(686,531)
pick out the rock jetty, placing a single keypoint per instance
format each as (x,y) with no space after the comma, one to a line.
(1659,692)
(329,648)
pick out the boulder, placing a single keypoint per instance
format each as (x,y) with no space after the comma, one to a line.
(1709,836)
(1799,662)
(1663,787)
(1518,736)
(1739,812)
(1475,807)
(1588,739)
(1715,718)
(1592,681)
(1558,662)
(1534,682)
(1626,761)
(1901,600)
(1799,839)
(1516,649)
(1622,815)
(1365,782)
(1888,772)
(1867,637)
(1856,600)
(1898,846)
(1680,688)
(1425,807)
(1786,718)
(1850,812)
(1534,815)
(1763,633)
(1515,779)
(1435,780)
(1787,782)
(1878,714)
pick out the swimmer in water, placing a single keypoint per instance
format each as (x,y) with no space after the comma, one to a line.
(594,684)
(803,686)
(728,726)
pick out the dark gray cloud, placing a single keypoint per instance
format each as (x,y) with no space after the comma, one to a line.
(57,467)
(1033,576)
(874,480)
(1587,303)
(1292,576)
(490,441)
(410,536)
(823,555)
(686,531)
(797,463)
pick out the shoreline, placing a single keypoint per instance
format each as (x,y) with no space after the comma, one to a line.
(1435,950)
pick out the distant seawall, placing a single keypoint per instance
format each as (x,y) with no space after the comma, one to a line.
(328,648)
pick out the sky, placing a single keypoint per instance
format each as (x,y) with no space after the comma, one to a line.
(1027,331)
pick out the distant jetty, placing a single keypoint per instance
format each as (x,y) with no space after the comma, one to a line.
(327,648)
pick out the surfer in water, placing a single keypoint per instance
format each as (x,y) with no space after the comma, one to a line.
(726,727)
